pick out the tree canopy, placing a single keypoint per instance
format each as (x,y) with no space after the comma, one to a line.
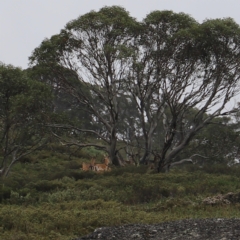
(163,68)
(24,109)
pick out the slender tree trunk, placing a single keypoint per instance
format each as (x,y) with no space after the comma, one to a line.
(166,157)
(148,149)
(113,148)
(169,136)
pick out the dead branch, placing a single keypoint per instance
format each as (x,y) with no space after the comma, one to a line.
(187,160)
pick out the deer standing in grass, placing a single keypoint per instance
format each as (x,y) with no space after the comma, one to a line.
(99,167)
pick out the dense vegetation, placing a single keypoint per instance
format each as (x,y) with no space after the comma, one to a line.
(47,196)
(156,89)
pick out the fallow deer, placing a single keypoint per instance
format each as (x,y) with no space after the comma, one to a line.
(99,167)
(89,166)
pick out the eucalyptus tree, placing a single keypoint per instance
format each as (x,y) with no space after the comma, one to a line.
(151,65)
(66,109)
(24,110)
(219,141)
(166,66)
(95,48)
(196,67)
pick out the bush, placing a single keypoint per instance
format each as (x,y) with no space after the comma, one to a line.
(47,186)
(128,169)
(5,193)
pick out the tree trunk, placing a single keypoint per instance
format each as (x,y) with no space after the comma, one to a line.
(113,148)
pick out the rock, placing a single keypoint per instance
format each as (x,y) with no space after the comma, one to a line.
(222,199)
(189,229)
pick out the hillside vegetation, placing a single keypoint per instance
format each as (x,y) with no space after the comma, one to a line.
(154,92)
(47,196)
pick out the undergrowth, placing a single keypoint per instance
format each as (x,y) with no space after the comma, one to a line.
(47,196)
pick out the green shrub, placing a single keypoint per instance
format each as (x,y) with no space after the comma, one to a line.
(5,193)
(73,164)
(46,186)
(82,174)
(53,199)
(91,152)
(118,171)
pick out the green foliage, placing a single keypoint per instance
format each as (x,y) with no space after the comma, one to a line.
(114,16)
(46,186)
(128,169)
(91,152)
(68,207)
(158,60)
(218,141)
(5,193)
(24,109)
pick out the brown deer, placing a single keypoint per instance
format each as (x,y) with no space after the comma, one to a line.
(89,166)
(100,167)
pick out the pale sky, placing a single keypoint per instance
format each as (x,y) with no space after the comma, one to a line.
(24,24)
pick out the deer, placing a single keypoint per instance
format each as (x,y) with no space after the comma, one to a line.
(99,167)
(89,166)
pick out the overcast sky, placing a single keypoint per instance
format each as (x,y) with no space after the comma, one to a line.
(25,23)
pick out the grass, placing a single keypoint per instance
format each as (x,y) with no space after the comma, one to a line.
(49,197)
